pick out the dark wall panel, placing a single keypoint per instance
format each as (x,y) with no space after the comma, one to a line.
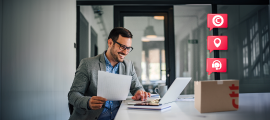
(173,2)
(1,11)
(84,38)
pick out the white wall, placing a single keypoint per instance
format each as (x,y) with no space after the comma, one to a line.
(38,58)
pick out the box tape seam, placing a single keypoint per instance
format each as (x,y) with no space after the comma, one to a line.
(219,82)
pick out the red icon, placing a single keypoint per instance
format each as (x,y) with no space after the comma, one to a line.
(216,65)
(234,95)
(217,21)
(217,43)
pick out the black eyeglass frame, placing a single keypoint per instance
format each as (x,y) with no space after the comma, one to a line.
(125,47)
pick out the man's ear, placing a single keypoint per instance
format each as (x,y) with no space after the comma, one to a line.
(110,42)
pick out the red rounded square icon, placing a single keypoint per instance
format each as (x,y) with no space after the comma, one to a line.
(216,65)
(217,43)
(217,21)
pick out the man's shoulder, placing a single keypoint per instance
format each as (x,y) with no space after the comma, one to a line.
(91,60)
(128,62)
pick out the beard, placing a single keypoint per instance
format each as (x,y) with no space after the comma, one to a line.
(115,55)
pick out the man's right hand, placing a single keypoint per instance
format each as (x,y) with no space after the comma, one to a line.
(96,102)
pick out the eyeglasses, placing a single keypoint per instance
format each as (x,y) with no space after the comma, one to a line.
(123,47)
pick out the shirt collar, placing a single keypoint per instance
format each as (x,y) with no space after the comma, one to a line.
(108,62)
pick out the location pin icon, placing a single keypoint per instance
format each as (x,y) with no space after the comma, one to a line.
(217,42)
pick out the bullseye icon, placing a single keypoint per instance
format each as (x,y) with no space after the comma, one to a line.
(217,42)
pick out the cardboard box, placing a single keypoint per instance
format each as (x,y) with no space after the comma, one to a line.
(215,96)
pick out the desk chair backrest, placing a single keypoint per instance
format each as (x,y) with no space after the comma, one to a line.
(70,108)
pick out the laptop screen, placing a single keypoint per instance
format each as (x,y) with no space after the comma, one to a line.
(175,90)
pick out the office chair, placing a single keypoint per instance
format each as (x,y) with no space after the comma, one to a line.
(70,108)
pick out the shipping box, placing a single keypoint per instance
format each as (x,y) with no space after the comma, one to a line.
(215,96)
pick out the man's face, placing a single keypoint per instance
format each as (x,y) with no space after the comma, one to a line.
(117,54)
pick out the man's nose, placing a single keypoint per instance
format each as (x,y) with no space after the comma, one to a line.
(126,51)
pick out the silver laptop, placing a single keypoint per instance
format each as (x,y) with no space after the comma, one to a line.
(174,91)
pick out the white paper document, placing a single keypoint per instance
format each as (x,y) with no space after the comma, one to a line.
(113,87)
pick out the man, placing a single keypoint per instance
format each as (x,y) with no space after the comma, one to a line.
(83,92)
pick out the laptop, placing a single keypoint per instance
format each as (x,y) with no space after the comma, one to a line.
(173,92)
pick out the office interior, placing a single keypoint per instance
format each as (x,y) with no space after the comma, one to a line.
(40,40)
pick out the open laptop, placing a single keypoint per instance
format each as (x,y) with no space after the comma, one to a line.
(174,91)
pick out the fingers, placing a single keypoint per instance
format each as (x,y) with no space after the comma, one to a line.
(142,95)
(96,106)
(99,98)
(96,102)
(145,95)
(137,95)
(134,98)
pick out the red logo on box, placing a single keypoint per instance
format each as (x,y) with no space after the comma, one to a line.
(216,65)
(217,43)
(234,95)
(217,21)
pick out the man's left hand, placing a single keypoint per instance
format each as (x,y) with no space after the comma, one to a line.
(141,95)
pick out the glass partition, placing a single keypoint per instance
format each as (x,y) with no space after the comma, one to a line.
(149,52)
(248,46)
(191,43)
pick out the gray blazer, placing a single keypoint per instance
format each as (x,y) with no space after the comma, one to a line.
(85,85)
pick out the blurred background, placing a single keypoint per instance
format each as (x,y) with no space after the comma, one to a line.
(38,50)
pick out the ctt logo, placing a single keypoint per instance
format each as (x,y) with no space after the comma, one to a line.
(217,21)
(234,95)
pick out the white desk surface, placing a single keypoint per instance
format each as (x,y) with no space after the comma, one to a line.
(252,106)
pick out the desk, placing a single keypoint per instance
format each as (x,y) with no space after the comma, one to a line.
(252,106)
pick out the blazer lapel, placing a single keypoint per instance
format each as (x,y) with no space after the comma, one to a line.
(122,68)
(102,64)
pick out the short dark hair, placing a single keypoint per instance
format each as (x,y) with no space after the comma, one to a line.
(114,34)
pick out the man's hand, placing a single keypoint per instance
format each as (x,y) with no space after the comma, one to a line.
(96,102)
(141,95)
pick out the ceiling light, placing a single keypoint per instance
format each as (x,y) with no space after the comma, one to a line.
(145,40)
(159,17)
(151,36)
(149,31)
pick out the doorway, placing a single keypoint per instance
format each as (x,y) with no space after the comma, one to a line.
(94,47)
(153,39)
(84,36)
